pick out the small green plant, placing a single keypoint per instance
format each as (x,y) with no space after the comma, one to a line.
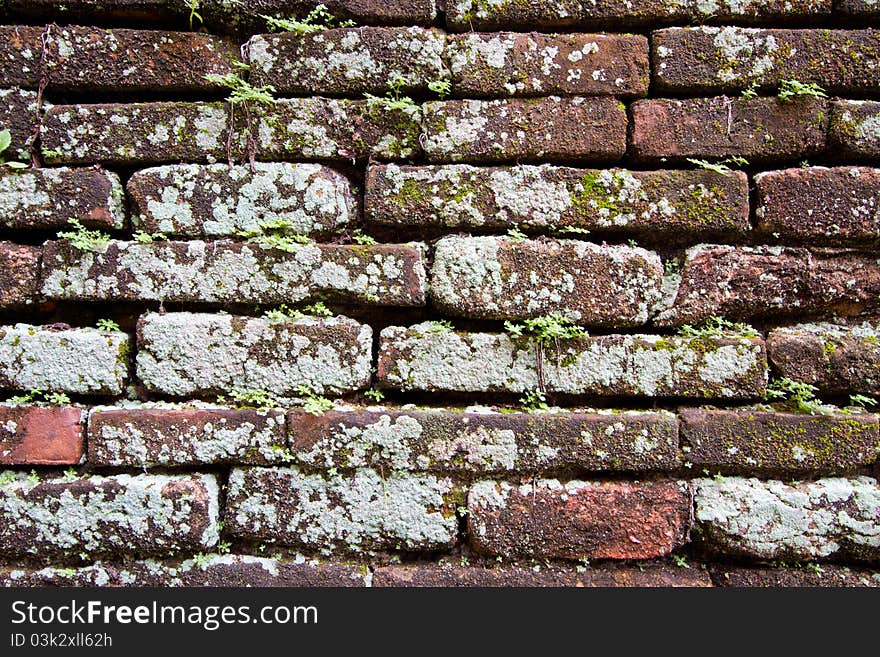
(862,400)
(39,396)
(814,568)
(5,141)
(547,329)
(143,237)
(804,164)
(318,309)
(57,398)
(84,239)
(7,477)
(256,397)
(789,89)
(721,166)
(799,394)
(359,237)
(516,235)
(393,100)
(70,475)
(717,327)
(375,394)
(202,560)
(680,561)
(283,454)
(276,234)
(313,402)
(33,478)
(107,325)
(534,400)
(284,314)
(241,91)
(671,266)
(194,6)
(440,326)
(572,230)
(751,91)
(440,87)
(318,19)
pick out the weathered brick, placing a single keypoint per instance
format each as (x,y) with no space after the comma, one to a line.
(712,59)
(547,129)
(760,282)
(422,358)
(83,361)
(168,436)
(867,8)
(843,204)
(854,130)
(18,114)
(49,198)
(349,61)
(698,202)
(19,271)
(825,575)
(651,573)
(751,441)
(481,441)
(490,15)
(84,59)
(511,64)
(827,518)
(759,129)
(34,435)
(97,10)
(122,514)
(837,359)
(184,354)
(364,511)
(194,200)
(578,519)
(200,271)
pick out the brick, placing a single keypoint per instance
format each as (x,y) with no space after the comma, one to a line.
(162,436)
(854,130)
(480,441)
(750,441)
(504,278)
(19,273)
(193,200)
(761,130)
(199,271)
(34,435)
(772,281)
(714,59)
(121,514)
(49,198)
(484,15)
(349,61)
(511,64)
(698,202)
(364,511)
(96,10)
(546,129)
(579,520)
(816,576)
(653,574)
(18,114)
(827,518)
(867,8)
(82,59)
(420,358)
(184,354)
(842,203)
(81,361)
(836,359)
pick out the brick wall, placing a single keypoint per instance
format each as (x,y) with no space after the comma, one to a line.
(477,293)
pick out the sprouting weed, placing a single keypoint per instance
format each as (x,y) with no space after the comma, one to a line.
(393,100)
(534,400)
(374,394)
(359,237)
(440,87)
(789,89)
(313,402)
(255,397)
(801,395)
(148,238)
(317,20)
(546,329)
(862,400)
(5,141)
(718,327)
(84,239)
(516,235)
(107,325)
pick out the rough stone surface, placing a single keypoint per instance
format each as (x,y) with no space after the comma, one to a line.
(826,575)
(148,437)
(579,520)
(18,114)
(349,60)
(49,198)
(360,512)
(837,359)
(200,271)
(547,129)
(505,278)
(817,204)
(758,129)
(772,281)
(511,64)
(698,202)
(183,354)
(35,435)
(194,200)
(96,10)
(19,272)
(479,441)
(138,515)
(828,518)
(422,358)
(82,361)
(854,130)
(867,8)
(712,59)
(751,441)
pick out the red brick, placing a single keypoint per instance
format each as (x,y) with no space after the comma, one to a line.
(96,10)
(826,575)
(579,520)
(854,131)
(19,269)
(34,435)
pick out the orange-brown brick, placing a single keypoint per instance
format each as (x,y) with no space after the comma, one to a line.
(34,435)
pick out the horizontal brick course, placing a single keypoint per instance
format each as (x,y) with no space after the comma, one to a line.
(854,130)
(824,575)
(19,273)
(35,435)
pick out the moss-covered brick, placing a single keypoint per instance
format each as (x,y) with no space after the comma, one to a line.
(854,131)
(19,271)
(772,281)
(18,114)
(504,278)
(184,354)
(833,518)
(714,59)
(758,129)
(511,64)
(422,357)
(200,271)
(82,361)
(579,519)
(41,435)
(349,60)
(479,441)
(545,197)
(792,576)
(361,512)
(545,129)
